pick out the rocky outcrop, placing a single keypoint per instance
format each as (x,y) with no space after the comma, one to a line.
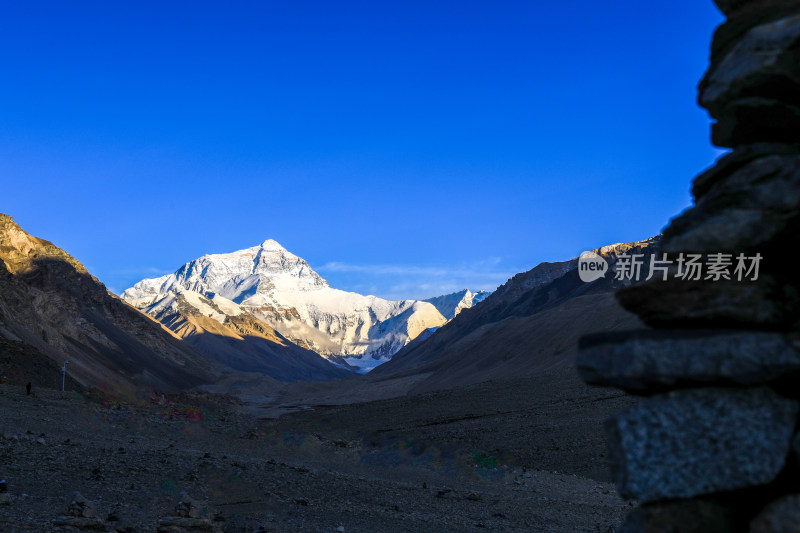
(713,443)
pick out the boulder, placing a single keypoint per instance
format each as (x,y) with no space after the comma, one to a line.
(694,442)
(648,361)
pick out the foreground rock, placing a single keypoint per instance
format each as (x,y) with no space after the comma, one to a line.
(81,515)
(653,360)
(700,441)
(189,516)
(729,446)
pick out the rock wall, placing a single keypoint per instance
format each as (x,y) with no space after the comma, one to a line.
(713,445)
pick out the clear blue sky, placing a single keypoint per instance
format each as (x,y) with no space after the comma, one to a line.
(403,148)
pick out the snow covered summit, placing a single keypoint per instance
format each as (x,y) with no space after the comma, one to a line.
(282,289)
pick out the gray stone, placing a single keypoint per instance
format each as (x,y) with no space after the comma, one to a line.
(679,516)
(80,506)
(780,516)
(763,62)
(733,161)
(693,442)
(744,15)
(190,515)
(187,507)
(675,303)
(743,211)
(651,360)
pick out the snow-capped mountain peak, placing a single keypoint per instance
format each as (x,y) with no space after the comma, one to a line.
(280,288)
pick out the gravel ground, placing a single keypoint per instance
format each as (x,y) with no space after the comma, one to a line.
(511,456)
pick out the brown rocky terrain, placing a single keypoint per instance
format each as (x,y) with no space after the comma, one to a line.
(247,344)
(443,461)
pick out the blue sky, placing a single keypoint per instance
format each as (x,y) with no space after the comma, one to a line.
(405,149)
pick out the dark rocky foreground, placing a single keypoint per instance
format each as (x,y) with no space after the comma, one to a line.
(443,461)
(714,445)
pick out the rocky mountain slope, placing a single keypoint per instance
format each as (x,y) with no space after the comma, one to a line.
(272,285)
(52,309)
(223,331)
(528,325)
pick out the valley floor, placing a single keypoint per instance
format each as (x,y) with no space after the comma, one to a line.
(524,455)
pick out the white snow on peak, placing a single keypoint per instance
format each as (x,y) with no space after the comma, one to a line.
(281,288)
(273,245)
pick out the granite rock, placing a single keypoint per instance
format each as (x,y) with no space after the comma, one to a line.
(701,441)
(649,361)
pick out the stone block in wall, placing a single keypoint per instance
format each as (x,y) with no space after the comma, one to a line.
(743,211)
(760,63)
(700,441)
(675,303)
(735,160)
(649,361)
